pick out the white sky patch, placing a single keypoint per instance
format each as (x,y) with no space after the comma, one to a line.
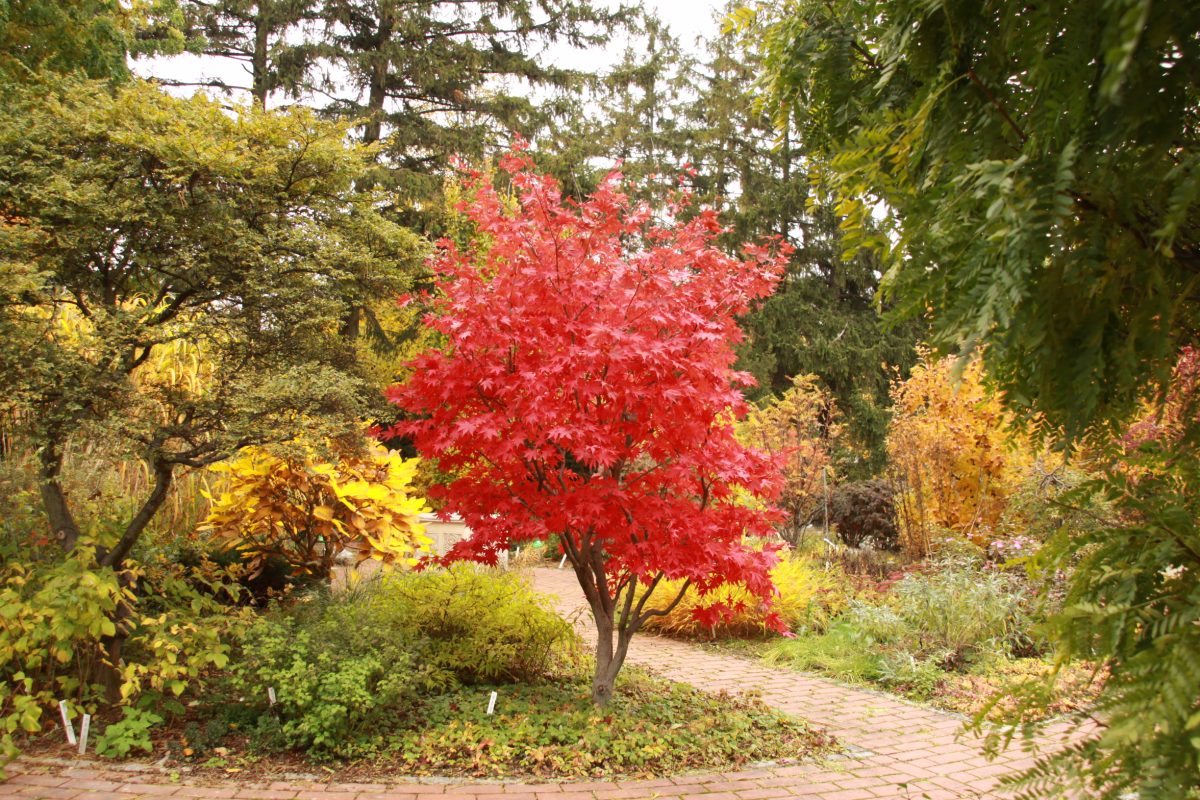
(689,19)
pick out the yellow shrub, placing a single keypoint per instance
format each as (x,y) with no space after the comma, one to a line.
(802,426)
(307,511)
(810,594)
(955,454)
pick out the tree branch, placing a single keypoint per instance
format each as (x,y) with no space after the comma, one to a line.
(662,612)
(163,473)
(995,103)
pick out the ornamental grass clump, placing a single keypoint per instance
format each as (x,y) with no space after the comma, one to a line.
(958,610)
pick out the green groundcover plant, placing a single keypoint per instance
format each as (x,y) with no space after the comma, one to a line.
(399,671)
(652,727)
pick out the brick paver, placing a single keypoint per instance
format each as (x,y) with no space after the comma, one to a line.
(893,749)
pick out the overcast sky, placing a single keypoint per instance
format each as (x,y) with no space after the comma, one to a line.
(688,18)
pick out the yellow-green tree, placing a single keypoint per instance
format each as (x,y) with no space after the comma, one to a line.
(159,220)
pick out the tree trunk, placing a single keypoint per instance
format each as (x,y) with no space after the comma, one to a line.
(604,680)
(610,657)
(113,647)
(377,90)
(258,59)
(351,323)
(54,499)
(61,520)
(115,558)
(589,563)
(616,610)
(66,530)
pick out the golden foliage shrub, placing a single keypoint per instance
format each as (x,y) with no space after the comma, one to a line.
(954,453)
(801,427)
(307,511)
(810,594)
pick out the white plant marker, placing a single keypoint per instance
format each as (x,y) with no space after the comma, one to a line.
(564,561)
(271,694)
(492,704)
(67,726)
(83,733)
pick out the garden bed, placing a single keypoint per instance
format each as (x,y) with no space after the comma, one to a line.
(547,731)
(394,676)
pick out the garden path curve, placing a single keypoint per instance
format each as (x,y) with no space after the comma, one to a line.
(894,749)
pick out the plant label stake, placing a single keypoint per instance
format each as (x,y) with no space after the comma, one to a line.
(492,704)
(271,695)
(83,733)
(67,726)
(564,561)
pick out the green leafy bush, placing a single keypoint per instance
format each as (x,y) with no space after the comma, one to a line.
(349,669)
(337,691)
(54,616)
(865,514)
(51,620)
(481,625)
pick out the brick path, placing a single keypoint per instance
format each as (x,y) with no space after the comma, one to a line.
(894,749)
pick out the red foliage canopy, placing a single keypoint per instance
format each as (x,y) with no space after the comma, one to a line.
(585,390)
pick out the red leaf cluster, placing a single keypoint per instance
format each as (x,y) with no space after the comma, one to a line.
(586,387)
(1167,418)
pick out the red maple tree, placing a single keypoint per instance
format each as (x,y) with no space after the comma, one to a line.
(585,395)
